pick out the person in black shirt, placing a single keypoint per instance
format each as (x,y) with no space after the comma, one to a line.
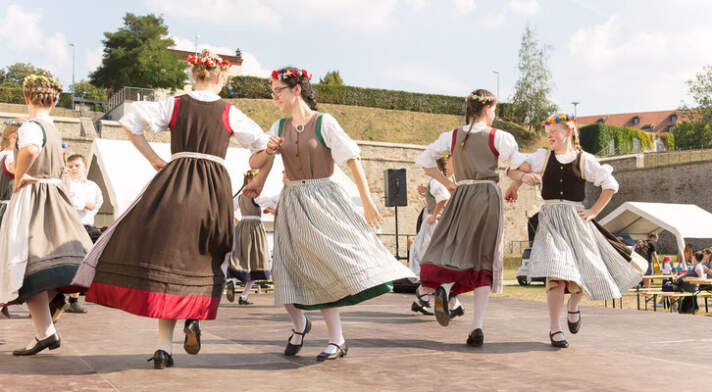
(652,256)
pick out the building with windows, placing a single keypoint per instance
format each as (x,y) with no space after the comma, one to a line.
(653,122)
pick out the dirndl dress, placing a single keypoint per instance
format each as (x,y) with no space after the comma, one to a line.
(7,182)
(422,238)
(163,257)
(568,250)
(249,259)
(467,245)
(325,253)
(42,241)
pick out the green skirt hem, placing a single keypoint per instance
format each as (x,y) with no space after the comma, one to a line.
(365,295)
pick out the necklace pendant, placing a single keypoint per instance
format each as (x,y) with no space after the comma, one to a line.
(300,128)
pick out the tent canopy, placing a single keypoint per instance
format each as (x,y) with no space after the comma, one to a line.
(638,219)
(122,173)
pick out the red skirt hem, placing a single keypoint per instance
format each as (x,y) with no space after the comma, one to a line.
(153,304)
(433,276)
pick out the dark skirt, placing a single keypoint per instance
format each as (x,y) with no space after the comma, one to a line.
(163,258)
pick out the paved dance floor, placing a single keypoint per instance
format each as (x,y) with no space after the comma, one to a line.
(391,349)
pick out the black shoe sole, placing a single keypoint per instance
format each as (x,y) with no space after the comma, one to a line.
(442,314)
(420,309)
(230,293)
(328,357)
(191,345)
(476,338)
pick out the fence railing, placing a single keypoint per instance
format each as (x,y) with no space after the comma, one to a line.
(664,158)
(516,247)
(130,94)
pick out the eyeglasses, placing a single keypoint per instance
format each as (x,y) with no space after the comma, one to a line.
(278,90)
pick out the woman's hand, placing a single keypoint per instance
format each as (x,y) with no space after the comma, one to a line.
(370,212)
(158,164)
(431,219)
(587,214)
(531,179)
(253,189)
(274,144)
(422,190)
(26,179)
(512,193)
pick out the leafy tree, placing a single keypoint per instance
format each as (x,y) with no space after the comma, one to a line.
(693,134)
(332,78)
(700,89)
(530,101)
(137,55)
(85,89)
(15,74)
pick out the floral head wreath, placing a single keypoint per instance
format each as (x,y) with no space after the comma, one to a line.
(479,98)
(250,173)
(558,119)
(209,62)
(33,78)
(11,122)
(290,73)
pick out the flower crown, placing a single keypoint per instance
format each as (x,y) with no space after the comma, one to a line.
(480,99)
(209,62)
(11,122)
(558,119)
(290,73)
(33,78)
(250,173)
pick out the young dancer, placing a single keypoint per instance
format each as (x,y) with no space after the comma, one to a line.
(41,239)
(326,255)
(249,260)
(465,251)
(7,176)
(162,258)
(570,249)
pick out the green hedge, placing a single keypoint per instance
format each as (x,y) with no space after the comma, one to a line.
(14,95)
(595,138)
(258,88)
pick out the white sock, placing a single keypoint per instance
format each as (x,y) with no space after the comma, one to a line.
(246,292)
(454,303)
(481,299)
(165,335)
(333,324)
(299,320)
(447,287)
(423,294)
(38,306)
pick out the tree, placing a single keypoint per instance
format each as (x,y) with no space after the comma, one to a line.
(700,89)
(137,55)
(332,78)
(85,89)
(693,134)
(15,74)
(530,101)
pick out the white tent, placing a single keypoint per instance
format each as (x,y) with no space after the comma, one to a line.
(638,219)
(122,172)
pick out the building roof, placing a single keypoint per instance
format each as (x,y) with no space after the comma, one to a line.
(659,121)
(235,59)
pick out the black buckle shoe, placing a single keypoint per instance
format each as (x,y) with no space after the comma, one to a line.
(574,327)
(161,360)
(558,343)
(416,307)
(230,291)
(191,344)
(457,312)
(244,302)
(52,342)
(476,338)
(57,307)
(341,351)
(74,307)
(293,349)
(442,314)
(5,312)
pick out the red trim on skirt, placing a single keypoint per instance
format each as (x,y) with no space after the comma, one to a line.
(152,304)
(433,276)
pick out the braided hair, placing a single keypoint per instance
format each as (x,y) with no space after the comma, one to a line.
(475,104)
(41,90)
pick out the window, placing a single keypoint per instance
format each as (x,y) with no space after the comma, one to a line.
(671,129)
(647,128)
(673,118)
(636,120)
(601,121)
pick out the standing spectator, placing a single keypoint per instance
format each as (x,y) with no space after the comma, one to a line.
(652,256)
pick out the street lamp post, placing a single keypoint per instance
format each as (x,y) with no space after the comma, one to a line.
(197,36)
(575,103)
(73,56)
(497,73)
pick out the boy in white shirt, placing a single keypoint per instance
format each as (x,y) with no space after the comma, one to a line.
(86,197)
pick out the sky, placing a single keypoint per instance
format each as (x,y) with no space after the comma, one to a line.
(611,56)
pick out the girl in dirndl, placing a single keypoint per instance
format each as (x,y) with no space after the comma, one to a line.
(465,252)
(42,241)
(7,176)
(249,259)
(326,254)
(571,250)
(162,258)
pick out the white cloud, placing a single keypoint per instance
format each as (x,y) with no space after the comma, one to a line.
(494,20)
(524,7)
(21,31)
(251,66)
(93,57)
(464,6)
(364,15)
(431,79)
